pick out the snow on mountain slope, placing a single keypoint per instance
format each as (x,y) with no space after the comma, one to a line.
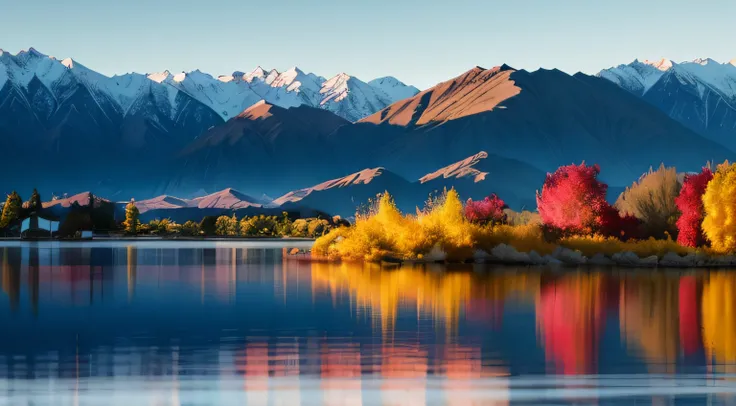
(226,98)
(721,76)
(290,88)
(685,95)
(394,88)
(637,77)
(227,95)
(663,64)
(3,72)
(22,68)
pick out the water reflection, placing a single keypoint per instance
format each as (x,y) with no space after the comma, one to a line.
(252,326)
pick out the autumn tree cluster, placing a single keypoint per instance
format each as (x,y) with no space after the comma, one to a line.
(487,211)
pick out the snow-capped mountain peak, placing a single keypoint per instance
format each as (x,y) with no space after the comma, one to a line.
(394,88)
(637,77)
(68,62)
(335,88)
(31,52)
(257,73)
(227,95)
(663,64)
(705,61)
(159,77)
(287,78)
(227,78)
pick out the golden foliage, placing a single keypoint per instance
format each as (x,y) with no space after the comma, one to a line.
(524,238)
(591,245)
(719,202)
(652,200)
(386,233)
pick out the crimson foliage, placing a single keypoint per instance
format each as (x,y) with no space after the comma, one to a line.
(690,204)
(488,210)
(573,200)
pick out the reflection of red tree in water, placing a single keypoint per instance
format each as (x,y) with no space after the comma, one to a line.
(690,326)
(570,314)
(485,311)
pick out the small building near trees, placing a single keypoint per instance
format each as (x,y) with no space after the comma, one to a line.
(39,226)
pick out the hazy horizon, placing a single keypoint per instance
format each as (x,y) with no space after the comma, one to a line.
(420,43)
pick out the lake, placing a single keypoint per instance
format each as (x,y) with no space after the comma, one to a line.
(221,323)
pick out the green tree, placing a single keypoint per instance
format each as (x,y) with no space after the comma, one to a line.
(131,218)
(74,222)
(34,203)
(11,209)
(208,225)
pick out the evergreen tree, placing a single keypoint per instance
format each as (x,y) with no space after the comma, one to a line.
(11,209)
(131,218)
(34,203)
(208,225)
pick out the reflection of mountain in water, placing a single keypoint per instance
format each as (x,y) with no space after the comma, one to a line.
(253,313)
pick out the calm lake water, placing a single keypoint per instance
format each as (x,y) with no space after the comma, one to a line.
(193,323)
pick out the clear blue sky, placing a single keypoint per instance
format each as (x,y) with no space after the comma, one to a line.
(419,41)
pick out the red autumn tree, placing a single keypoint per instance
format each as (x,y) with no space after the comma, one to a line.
(574,200)
(624,227)
(690,204)
(486,211)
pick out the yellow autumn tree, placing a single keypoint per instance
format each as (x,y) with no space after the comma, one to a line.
(719,202)
(131,218)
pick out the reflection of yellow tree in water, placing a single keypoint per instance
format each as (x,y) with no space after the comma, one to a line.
(132,262)
(649,314)
(10,279)
(441,295)
(719,320)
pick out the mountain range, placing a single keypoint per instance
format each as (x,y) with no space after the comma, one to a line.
(331,144)
(699,94)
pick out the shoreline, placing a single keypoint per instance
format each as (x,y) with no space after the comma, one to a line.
(159,240)
(562,257)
